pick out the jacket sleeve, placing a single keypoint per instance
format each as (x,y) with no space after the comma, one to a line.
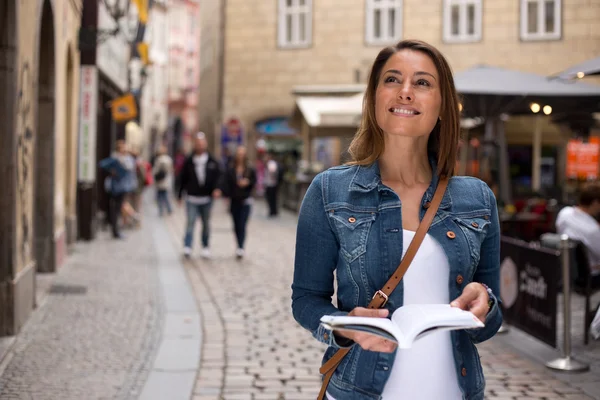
(183,178)
(315,262)
(488,272)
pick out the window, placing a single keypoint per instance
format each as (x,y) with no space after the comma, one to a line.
(462,21)
(540,19)
(295,23)
(384,21)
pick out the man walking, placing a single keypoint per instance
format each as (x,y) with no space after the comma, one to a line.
(199,178)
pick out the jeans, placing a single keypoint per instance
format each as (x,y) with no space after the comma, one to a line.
(193,211)
(162,199)
(271,195)
(114,210)
(240,213)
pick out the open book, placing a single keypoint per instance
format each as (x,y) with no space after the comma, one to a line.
(408,324)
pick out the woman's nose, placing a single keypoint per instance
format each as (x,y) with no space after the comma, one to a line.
(405,92)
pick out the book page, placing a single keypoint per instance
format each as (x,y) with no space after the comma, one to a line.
(414,319)
(382,327)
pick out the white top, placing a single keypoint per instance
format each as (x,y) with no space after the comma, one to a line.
(164,163)
(581,226)
(200,167)
(271,174)
(427,370)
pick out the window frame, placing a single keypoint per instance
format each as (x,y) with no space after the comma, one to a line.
(295,10)
(541,20)
(370,7)
(463,36)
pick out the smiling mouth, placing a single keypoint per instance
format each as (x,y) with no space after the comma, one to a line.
(403,111)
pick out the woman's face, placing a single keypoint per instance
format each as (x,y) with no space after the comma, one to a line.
(240,154)
(408,98)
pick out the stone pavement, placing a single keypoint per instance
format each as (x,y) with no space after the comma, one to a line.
(253,349)
(119,321)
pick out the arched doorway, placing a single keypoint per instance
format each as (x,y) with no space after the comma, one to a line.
(8,90)
(43,188)
(70,180)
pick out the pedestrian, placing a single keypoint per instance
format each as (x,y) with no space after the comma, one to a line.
(238,184)
(581,223)
(163,173)
(199,179)
(121,181)
(273,175)
(357,220)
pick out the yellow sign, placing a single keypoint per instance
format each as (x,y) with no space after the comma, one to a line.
(142,6)
(142,49)
(124,108)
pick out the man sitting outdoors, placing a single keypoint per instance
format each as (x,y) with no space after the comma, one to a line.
(580,224)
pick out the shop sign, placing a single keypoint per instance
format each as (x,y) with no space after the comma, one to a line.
(87,124)
(582,159)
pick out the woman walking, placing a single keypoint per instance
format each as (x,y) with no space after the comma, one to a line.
(239,182)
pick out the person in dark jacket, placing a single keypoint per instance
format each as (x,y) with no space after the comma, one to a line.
(238,184)
(199,179)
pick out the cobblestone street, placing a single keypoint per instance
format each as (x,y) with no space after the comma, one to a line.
(98,332)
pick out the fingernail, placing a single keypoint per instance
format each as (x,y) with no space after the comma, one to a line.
(454,304)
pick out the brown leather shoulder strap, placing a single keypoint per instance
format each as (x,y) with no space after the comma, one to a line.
(381,296)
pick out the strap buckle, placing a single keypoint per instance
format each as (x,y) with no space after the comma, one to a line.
(383,296)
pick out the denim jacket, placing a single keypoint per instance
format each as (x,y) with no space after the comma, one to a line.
(351,223)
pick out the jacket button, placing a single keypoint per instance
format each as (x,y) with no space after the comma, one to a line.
(326,336)
(460,279)
(486,217)
(474,224)
(352,220)
(427,205)
(463,372)
(451,234)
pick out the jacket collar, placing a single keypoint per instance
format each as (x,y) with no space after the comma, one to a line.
(368,177)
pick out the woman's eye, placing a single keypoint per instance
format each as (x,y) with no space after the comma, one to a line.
(391,79)
(423,82)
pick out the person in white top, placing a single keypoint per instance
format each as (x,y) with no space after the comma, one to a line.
(163,173)
(580,223)
(356,221)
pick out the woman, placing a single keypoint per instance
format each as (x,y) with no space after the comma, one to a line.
(239,181)
(357,220)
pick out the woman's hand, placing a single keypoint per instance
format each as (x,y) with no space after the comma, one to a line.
(366,340)
(474,298)
(244,182)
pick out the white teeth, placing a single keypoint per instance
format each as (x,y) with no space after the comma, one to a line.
(403,111)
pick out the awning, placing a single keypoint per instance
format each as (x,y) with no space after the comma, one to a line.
(586,68)
(330,111)
(491,91)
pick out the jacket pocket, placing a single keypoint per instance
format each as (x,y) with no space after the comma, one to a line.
(475,230)
(352,230)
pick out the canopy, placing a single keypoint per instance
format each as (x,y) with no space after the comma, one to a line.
(589,67)
(491,91)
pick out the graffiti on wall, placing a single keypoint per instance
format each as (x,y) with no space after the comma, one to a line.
(24,155)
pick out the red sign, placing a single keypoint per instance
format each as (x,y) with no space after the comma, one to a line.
(582,159)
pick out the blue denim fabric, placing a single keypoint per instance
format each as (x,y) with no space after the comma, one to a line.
(240,213)
(365,252)
(163,201)
(193,211)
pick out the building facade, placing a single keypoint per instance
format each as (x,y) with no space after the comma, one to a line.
(212,25)
(183,72)
(154,115)
(38,140)
(272,47)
